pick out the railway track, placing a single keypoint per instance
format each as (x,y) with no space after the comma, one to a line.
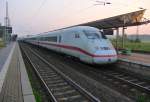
(59,86)
(124,83)
(135,82)
(129,85)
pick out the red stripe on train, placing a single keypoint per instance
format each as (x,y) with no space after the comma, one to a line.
(77,49)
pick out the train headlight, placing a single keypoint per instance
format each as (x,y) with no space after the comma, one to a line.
(105,48)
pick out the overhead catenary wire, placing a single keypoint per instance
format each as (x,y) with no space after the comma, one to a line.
(38,10)
(76,12)
(79,11)
(33,17)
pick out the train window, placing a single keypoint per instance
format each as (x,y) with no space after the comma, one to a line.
(92,34)
(52,39)
(33,38)
(40,39)
(103,35)
(77,35)
(43,39)
(59,39)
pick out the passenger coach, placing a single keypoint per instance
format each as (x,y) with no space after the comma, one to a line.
(88,44)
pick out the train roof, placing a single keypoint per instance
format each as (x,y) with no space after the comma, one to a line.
(68,28)
(72,28)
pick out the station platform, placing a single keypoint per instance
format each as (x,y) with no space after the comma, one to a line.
(4,52)
(136,58)
(14,82)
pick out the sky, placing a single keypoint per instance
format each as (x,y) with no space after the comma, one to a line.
(29,17)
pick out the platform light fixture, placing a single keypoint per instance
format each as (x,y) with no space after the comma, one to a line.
(102,3)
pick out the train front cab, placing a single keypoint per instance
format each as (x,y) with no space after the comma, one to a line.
(101,49)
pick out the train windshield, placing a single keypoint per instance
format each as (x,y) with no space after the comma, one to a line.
(92,34)
(103,35)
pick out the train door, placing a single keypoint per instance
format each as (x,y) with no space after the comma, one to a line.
(59,41)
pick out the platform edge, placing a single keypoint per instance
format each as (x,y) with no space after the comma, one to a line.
(27,91)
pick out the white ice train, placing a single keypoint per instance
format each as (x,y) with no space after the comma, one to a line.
(88,44)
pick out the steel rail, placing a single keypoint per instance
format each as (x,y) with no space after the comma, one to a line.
(41,79)
(70,81)
(130,82)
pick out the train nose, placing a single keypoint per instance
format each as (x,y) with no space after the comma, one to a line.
(105,58)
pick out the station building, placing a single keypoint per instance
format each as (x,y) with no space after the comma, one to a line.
(5,33)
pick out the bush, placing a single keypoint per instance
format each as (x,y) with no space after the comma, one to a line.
(1,44)
(137,40)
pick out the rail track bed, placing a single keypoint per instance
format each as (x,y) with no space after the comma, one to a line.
(128,85)
(59,86)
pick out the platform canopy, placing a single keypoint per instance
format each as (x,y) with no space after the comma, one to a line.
(129,19)
(124,20)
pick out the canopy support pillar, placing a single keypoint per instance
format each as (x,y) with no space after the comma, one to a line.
(123,37)
(117,38)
